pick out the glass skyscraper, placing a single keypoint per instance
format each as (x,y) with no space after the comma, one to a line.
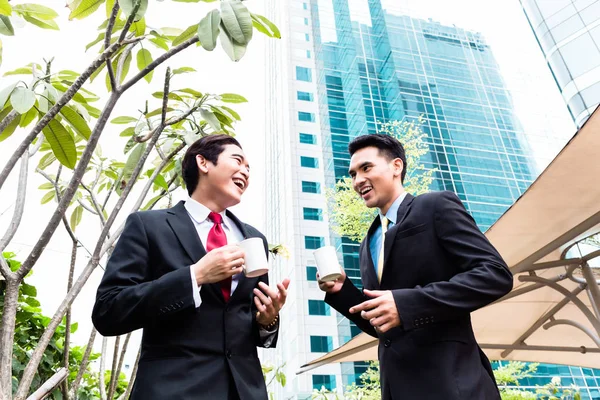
(342,68)
(568,32)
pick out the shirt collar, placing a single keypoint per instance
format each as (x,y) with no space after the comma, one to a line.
(199,212)
(392,213)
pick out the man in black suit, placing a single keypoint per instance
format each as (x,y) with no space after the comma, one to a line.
(177,274)
(425,266)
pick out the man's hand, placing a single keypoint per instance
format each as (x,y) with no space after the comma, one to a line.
(218,264)
(269,301)
(332,286)
(380,311)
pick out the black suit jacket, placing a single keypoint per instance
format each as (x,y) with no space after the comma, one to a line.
(187,352)
(440,268)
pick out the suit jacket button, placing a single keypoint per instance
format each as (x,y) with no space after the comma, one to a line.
(228,354)
(387,343)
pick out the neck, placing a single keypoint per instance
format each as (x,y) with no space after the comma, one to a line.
(393,198)
(206,199)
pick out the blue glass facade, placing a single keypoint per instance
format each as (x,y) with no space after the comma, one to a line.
(394,67)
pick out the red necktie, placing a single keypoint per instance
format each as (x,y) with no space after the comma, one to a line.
(217,238)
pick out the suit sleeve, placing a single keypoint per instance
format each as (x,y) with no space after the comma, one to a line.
(264,338)
(127,298)
(482,277)
(348,297)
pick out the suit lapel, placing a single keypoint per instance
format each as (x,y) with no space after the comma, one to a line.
(391,234)
(186,232)
(366,261)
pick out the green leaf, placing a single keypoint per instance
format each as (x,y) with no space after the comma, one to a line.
(109,6)
(158,111)
(46,186)
(210,117)
(22,99)
(152,201)
(172,96)
(85,8)
(5,8)
(98,39)
(28,117)
(123,120)
(0,53)
(263,25)
(20,71)
(139,27)
(5,94)
(74,327)
(42,23)
(76,217)
(48,196)
(187,34)
(234,50)
(132,161)
(41,12)
(160,43)
(127,7)
(233,98)
(231,112)
(193,92)
(76,121)
(62,143)
(28,290)
(161,182)
(126,65)
(208,30)
(144,58)
(236,19)
(10,129)
(128,132)
(183,70)
(6,27)
(46,161)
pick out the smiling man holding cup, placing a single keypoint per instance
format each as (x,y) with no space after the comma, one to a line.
(193,277)
(425,266)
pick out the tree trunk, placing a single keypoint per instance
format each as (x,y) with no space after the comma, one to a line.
(7,332)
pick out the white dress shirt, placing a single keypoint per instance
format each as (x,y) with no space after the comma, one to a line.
(199,215)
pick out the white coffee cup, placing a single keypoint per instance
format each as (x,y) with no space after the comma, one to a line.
(256,263)
(327,263)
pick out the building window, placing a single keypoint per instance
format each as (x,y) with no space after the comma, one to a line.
(303,74)
(318,307)
(311,187)
(321,344)
(309,162)
(313,242)
(311,273)
(308,54)
(305,21)
(327,381)
(305,6)
(306,37)
(305,96)
(313,214)
(307,138)
(306,116)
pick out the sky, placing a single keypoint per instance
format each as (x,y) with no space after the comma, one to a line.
(538,105)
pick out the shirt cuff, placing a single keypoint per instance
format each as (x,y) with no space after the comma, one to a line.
(195,288)
(267,336)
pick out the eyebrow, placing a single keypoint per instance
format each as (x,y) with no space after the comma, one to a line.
(364,164)
(242,158)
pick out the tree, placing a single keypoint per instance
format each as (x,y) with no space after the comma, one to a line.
(350,216)
(508,378)
(65,125)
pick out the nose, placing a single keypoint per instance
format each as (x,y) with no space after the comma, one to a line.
(357,181)
(245,171)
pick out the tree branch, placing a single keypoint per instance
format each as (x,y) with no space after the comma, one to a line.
(115,361)
(136,7)
(121,63)
(10,117)
(101,375)
(121,360)
(20,203)
(94,202)
(5,270)
(150,67)
(67,344)
(84,363)
(107,36)
(125,395)
(65,98)
(50,385)
(7,333)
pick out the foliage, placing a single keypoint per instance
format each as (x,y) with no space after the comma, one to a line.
(348,212)
(507,377)
(272,376)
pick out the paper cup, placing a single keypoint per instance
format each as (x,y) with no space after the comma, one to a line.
(327,264)
(256,263)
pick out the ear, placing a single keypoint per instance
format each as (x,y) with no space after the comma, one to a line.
(202,164)
(398,166)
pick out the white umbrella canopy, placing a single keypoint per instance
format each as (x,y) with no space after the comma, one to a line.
(552,314)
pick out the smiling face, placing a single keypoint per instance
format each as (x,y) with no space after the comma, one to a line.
(222,184)
(375,178)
